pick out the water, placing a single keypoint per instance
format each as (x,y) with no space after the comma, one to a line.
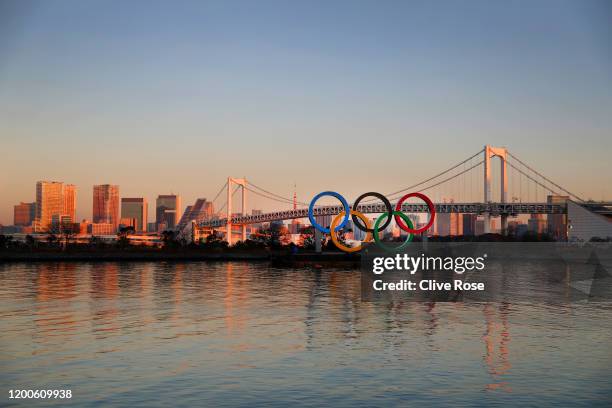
(247,334)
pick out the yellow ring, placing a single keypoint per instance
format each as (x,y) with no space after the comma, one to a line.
(335,223)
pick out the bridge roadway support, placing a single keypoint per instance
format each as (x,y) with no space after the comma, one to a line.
(490,152)
(230,182)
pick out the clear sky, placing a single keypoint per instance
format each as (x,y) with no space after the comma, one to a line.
(163,97)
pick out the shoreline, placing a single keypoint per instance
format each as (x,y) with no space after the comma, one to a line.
(278,258)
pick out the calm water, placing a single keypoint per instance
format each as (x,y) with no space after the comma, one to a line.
(247,334)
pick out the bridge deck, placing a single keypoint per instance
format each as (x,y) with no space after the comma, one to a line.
(495,209)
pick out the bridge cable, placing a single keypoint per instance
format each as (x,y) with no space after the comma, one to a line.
(281,200)
(534,180)
(275,195)
(447,179)
(544,177)
(431,178)
(284,200)
(219,193)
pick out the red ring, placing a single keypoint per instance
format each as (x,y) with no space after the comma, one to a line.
(430,205)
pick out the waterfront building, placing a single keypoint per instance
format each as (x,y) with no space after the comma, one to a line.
(360,235)
(81,227)
(49,202)
(349,230)
(557,223)
(24,214)
(135,210)
(69,194)
(295,227)
(415,221)
(442,225)
(101,228)
(106,205)
(167,211)
(10,229)
(324,220)
(202,210)
(256,226)
(521,229)
(60,222)
(449,224)
(512,227)
(469,224)
(536,224)
(479,225)
(128,222)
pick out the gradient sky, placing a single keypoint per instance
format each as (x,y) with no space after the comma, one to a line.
(163,97)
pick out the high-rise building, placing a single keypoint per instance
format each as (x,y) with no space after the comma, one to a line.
(358,234)
(456,225)
(202,210)
(61,222)
(521,229)
(403,234)
(536,223)
(49,202)
(442,227)
(469,224)
(106,205)
(135,209)
(449,224)
(257,226)
(70,201)
(513,227)
(24,214)
(479,226)
(324,220)
(557,223)
(295,227)
(167,211)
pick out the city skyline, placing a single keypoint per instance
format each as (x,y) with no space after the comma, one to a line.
(55,201)
(115,211)
(174,99)
(108,204)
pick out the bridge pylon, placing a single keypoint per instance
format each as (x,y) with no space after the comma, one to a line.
(489,153)
(230,183)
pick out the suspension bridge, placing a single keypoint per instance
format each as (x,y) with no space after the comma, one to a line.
(466,187)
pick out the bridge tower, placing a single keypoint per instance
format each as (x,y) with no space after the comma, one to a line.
(230,183)
(489,153)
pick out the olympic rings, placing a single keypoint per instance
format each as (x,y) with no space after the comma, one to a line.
(402,220)
(335,239)
(380,197)
(377,238)
(346,211)
(430,205)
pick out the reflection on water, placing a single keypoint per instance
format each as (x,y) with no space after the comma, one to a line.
(158,334)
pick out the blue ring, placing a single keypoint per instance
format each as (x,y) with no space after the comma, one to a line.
(347,211)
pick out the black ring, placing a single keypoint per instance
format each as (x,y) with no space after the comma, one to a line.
(382,198)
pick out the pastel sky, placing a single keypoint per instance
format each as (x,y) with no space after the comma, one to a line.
(163,97)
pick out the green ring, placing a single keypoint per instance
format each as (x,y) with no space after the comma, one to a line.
(377,238)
